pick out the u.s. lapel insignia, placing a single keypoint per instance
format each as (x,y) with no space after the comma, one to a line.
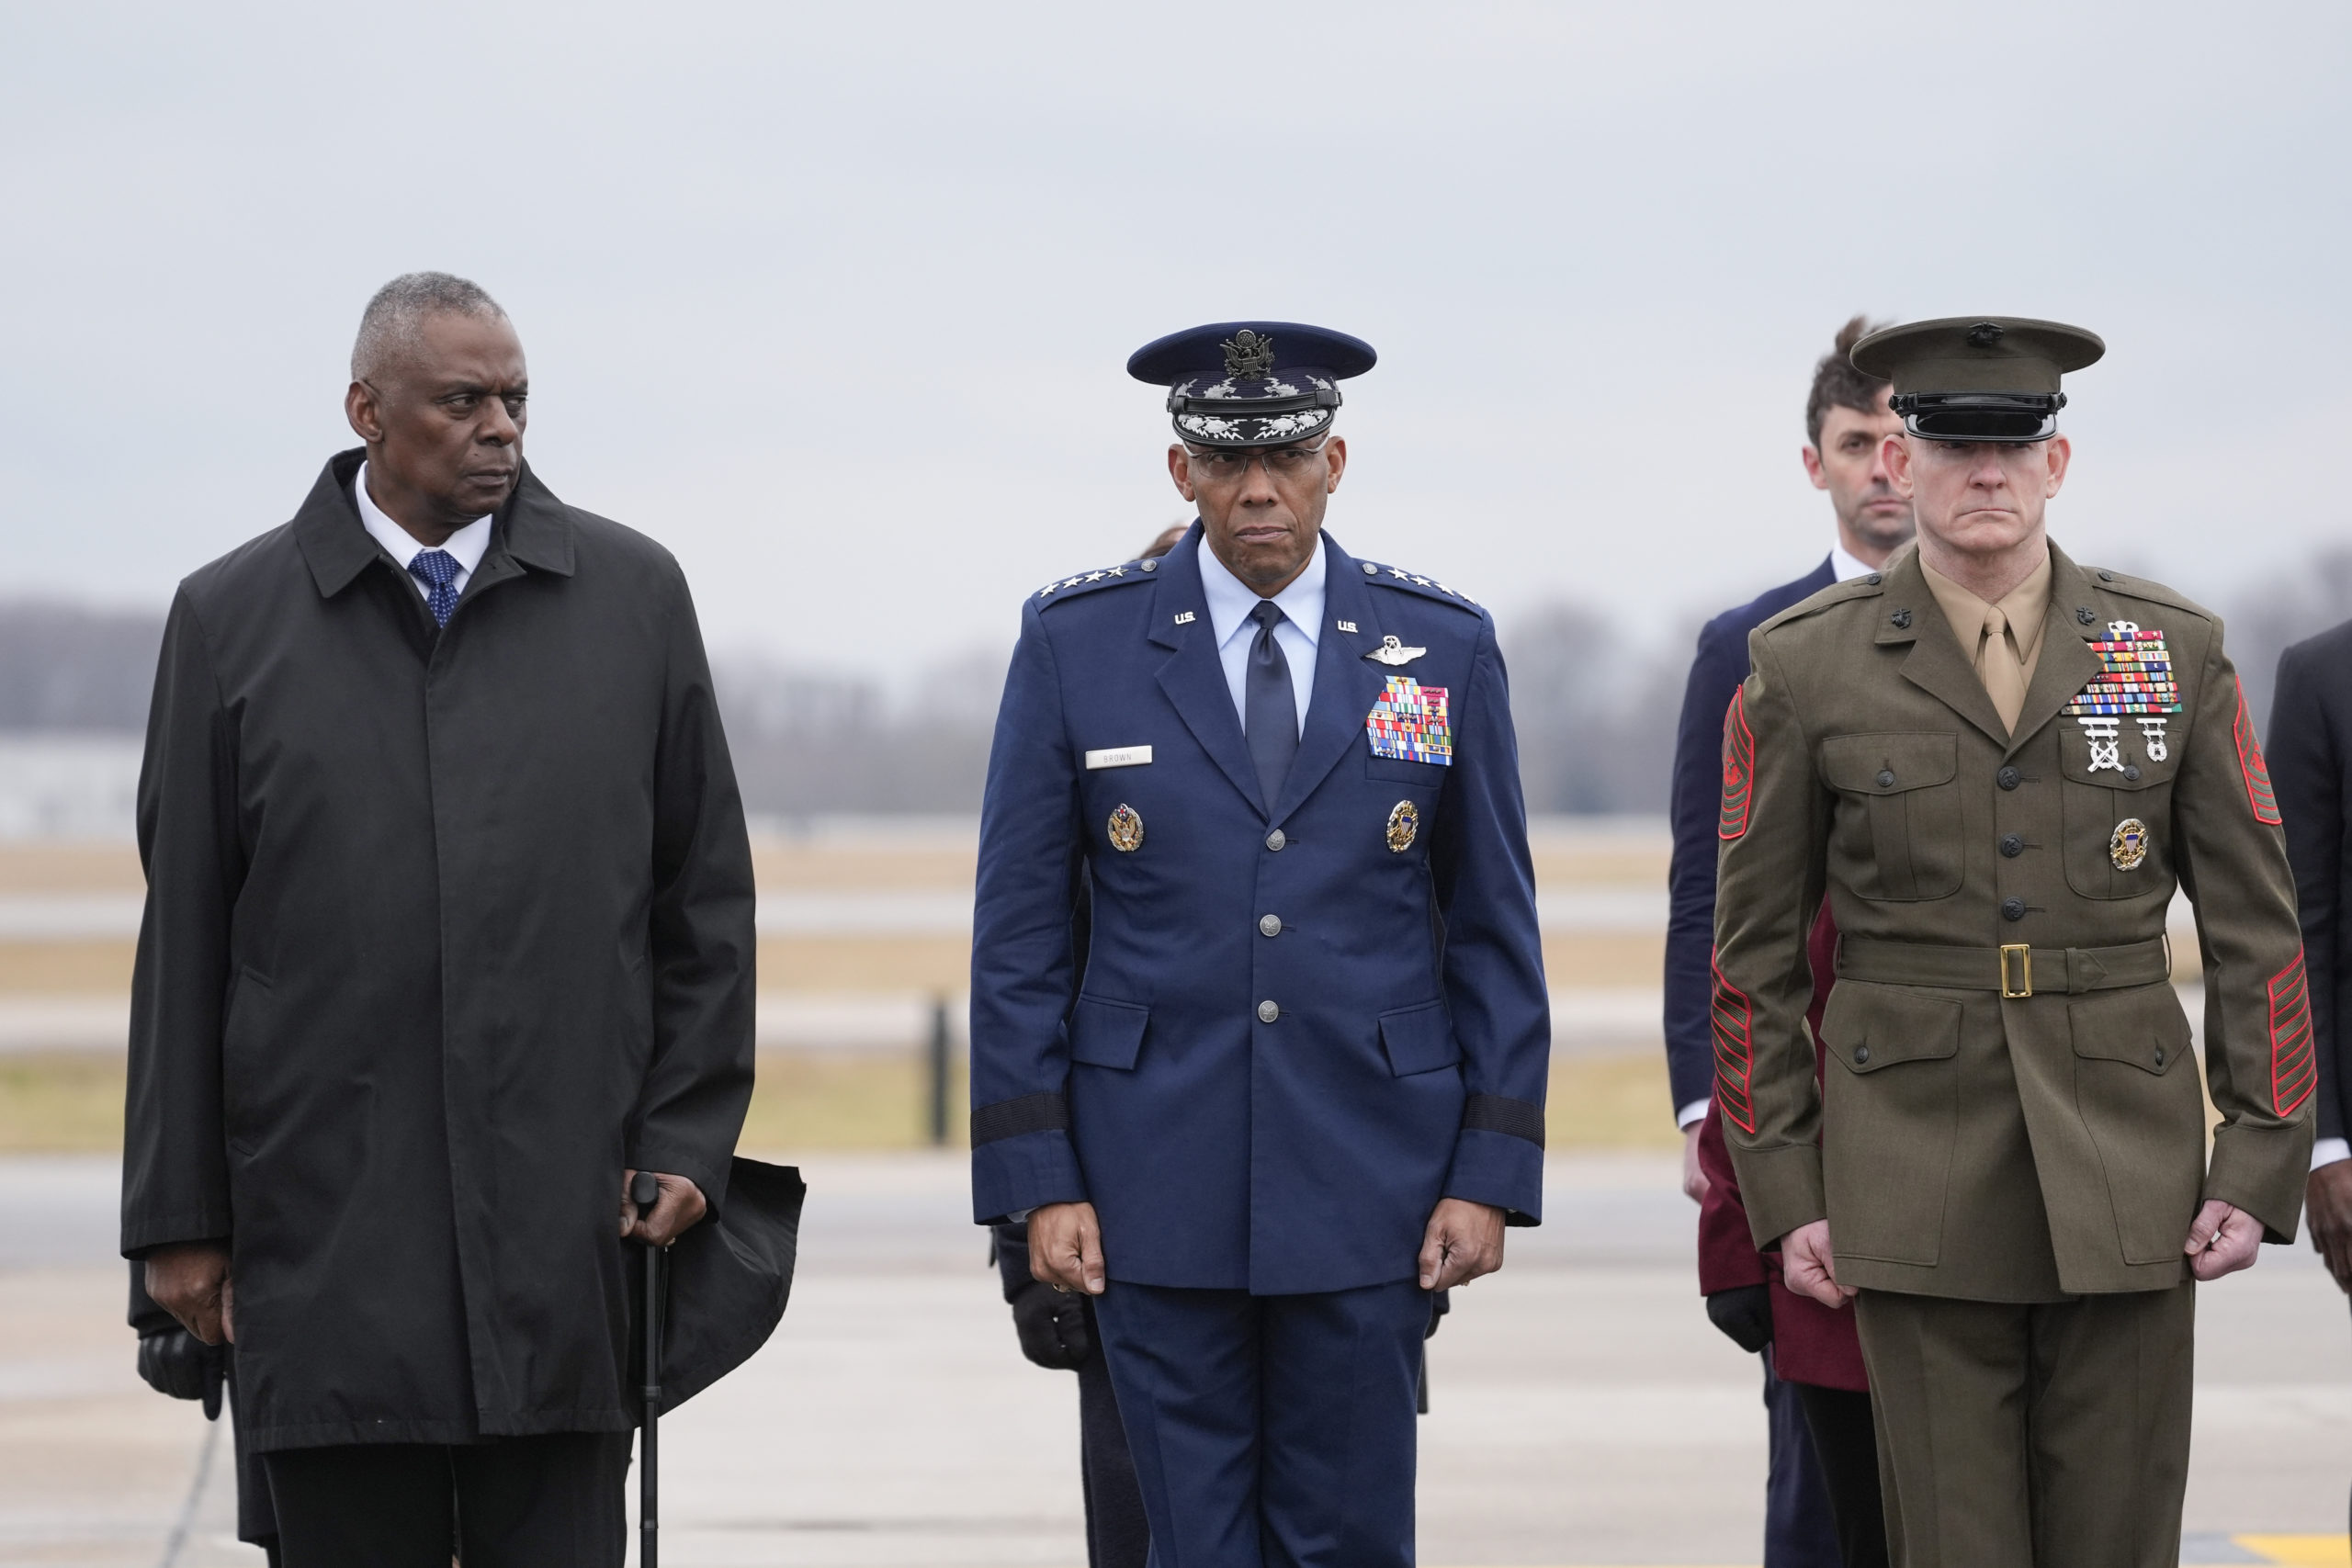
(1393,653)
(1403,825)
(2129,846)
(2134,680)
(1409,723)
(1125,828)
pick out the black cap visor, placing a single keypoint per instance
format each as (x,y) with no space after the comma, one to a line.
(1980,416)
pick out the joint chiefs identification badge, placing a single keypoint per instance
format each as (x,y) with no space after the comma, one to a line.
(1125,828)
(2128,847)
(1404,823)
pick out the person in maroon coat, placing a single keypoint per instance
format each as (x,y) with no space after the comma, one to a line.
(1814,1350)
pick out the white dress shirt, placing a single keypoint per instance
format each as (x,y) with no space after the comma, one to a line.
(2327,1151)
(467,545)
(1844,566)
(1231,600)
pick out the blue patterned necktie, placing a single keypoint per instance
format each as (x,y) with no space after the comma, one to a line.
(1269,704)
(437,569)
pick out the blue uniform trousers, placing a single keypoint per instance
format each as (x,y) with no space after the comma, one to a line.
(1270,1431)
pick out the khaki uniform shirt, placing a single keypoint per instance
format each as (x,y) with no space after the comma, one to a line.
(2008,1113)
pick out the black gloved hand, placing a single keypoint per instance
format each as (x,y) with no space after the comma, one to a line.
(1744,1315)
(178,1364)
(1053,1327)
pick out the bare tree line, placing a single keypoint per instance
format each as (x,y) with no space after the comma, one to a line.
(1595,710)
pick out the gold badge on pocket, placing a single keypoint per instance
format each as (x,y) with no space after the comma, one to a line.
(2128,847)
(1404,823)
(1126,829)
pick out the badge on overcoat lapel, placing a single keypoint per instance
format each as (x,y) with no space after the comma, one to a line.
(1408,723)
(1125,828)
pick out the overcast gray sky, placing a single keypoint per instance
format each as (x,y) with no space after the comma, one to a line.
(835,300)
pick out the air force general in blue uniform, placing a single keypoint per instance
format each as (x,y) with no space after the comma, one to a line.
(1310,1009)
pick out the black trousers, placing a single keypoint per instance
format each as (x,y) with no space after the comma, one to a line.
(1844,1442)
(1118,1536)
(547,1502)
(1800,1516)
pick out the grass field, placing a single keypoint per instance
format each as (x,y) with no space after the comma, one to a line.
(50,1103)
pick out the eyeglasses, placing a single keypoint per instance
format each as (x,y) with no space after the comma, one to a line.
(1221,463)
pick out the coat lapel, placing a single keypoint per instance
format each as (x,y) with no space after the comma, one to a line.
(1346,684)
(2067,663)
(335,544)
(1191,675)
(1936,665)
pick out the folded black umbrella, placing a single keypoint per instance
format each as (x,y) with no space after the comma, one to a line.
(729,1278)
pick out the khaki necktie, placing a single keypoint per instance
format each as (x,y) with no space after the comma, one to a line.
(1998,666)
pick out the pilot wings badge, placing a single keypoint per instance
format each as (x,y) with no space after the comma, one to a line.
(1393,653)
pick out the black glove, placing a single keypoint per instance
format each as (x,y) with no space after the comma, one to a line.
(1744,1313)
(178,1364)
(1053,1326)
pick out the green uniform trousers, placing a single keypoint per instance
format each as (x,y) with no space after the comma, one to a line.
(2049,1434)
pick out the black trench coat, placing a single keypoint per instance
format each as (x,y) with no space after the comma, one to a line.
(444,928)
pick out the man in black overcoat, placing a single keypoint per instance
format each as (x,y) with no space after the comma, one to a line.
(2309,745)
(448,931)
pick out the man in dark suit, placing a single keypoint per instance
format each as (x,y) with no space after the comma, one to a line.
(1300,1085)
(1847,422)
(2311,766)
(448,931)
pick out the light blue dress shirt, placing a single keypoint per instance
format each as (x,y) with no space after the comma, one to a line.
(1230,600)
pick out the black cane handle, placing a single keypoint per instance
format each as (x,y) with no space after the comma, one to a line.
(644,1190)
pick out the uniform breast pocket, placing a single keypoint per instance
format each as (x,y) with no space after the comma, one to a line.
(1896,790)
(1396,770)
(2116,803)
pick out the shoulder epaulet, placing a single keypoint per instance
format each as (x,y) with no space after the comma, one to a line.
(1428,588)
(2130,587)
(1869,587)
(1053,593)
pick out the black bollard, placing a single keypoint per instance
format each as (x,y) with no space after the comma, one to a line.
(644,1192)
(939,1072)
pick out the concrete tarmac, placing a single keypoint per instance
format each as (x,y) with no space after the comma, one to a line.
(1584,1411)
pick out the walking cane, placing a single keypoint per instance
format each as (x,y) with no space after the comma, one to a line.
(643,1190)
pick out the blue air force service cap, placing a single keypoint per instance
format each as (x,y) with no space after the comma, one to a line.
(1251,383)
(1978,377)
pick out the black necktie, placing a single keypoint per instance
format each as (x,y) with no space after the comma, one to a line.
(1270,705)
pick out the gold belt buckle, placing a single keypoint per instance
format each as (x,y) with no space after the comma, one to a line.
(2022,987)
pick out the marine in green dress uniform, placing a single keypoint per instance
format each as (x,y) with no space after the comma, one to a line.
(1997,765)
